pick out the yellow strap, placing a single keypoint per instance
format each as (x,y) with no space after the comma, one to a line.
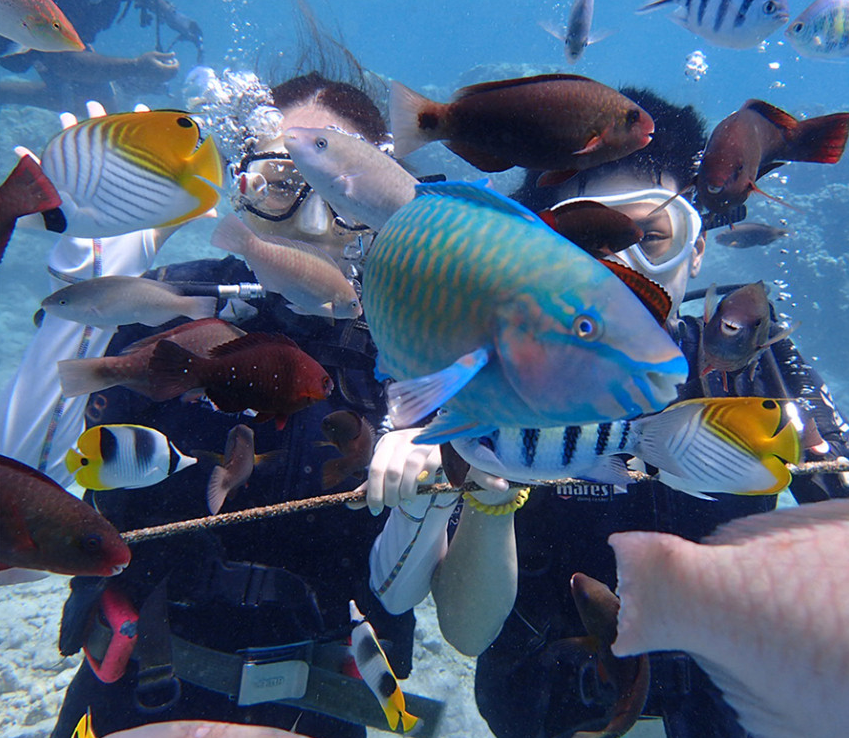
(522,494)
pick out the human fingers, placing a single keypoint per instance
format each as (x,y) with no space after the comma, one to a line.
(141,108)
(395,468)
(95,109)
(67,120)
(358,504)
(496,490)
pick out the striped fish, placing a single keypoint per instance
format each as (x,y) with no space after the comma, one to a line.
(125,172)
(734,445)
(821,31)
(374,668)
(735,24)
(127,456)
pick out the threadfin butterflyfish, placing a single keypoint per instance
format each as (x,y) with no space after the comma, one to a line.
(129,171)
(127,456)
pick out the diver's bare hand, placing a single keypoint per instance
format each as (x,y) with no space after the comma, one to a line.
(157,66)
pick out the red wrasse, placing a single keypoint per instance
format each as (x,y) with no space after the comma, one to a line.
(26,190)
(46,528)
(265,373)
(560,123)
(596,228)
(755,140)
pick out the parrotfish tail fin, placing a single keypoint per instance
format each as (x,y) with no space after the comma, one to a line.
(217,490)
(82,377)
(198,308)
(643,572)
(172,369)
(231,234)
(26,190)
(653,6)
(449,426)
(412,399)
(820,139)
(414,119)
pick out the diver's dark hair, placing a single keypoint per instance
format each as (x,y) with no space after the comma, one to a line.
(341,97)
(679,137)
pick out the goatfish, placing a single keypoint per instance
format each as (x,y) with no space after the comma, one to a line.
(130,368)
(747,235)
(124,456)
(266,373)
(821,31)
(302,273)
(39,25)
(370,660)
(44,527)
(361,182)
(734,24)
(352,435)
(734,445)
(478,305)
(762,605)
(117,300)
(25,191)
(756,139)
(560,123)
(737,330)
(127,172)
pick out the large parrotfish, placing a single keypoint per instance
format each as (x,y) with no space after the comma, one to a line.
(481,307)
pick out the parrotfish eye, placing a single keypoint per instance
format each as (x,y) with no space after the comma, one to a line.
(91,543)
(769,405)
(585,327)
(327,384)
(769,7)
(185,122)
(321,143)
(797,27)
(56,25)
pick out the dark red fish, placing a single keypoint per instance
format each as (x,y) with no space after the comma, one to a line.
(653,296)
(596,228)
(26,190)
(755,140)
(46,528)
(130,367)
(353,437)
(265,373)
(561,123)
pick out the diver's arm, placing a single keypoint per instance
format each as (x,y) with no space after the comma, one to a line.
(475,585)
(83,66)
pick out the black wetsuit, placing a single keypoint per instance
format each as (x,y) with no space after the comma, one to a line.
(526,682)
(214,599)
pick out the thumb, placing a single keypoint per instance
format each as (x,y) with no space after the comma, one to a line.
(489,482)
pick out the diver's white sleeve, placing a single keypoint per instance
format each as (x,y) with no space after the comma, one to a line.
(408,550)
(38,424)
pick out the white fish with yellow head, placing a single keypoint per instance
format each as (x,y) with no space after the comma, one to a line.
(129,171)
(124,456)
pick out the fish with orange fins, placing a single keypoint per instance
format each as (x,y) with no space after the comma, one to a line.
(39,25)
(129,171)
(44,527)
(560,123)
(756,139)
(25,191)
(353,436)
(370,660)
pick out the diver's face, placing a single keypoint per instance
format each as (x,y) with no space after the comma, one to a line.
(282,203)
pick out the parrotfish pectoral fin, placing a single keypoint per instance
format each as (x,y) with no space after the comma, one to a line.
(477,192)
(595,143)
(412,399)
(451,425)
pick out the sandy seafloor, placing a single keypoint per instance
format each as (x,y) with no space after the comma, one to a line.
(808,274)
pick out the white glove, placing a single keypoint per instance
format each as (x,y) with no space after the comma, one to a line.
(399,466)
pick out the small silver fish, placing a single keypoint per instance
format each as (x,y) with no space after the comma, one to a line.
(363,184)
(576,34)
(734,24)
(821,31)
(116,300)
(746,235)
(304,274)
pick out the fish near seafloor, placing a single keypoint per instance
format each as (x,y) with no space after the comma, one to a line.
(302,273)
(39,25)
(129,171)
(755,140)
(130,368)
(25,191)
(362,183)
(734,24)
(352,435)
(735,445)
(124,456)
(821,31)
(763,607)
(117,300)
(561,123)
(481,307)
(46,528)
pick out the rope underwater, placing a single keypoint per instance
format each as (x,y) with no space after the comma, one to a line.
(314,503)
